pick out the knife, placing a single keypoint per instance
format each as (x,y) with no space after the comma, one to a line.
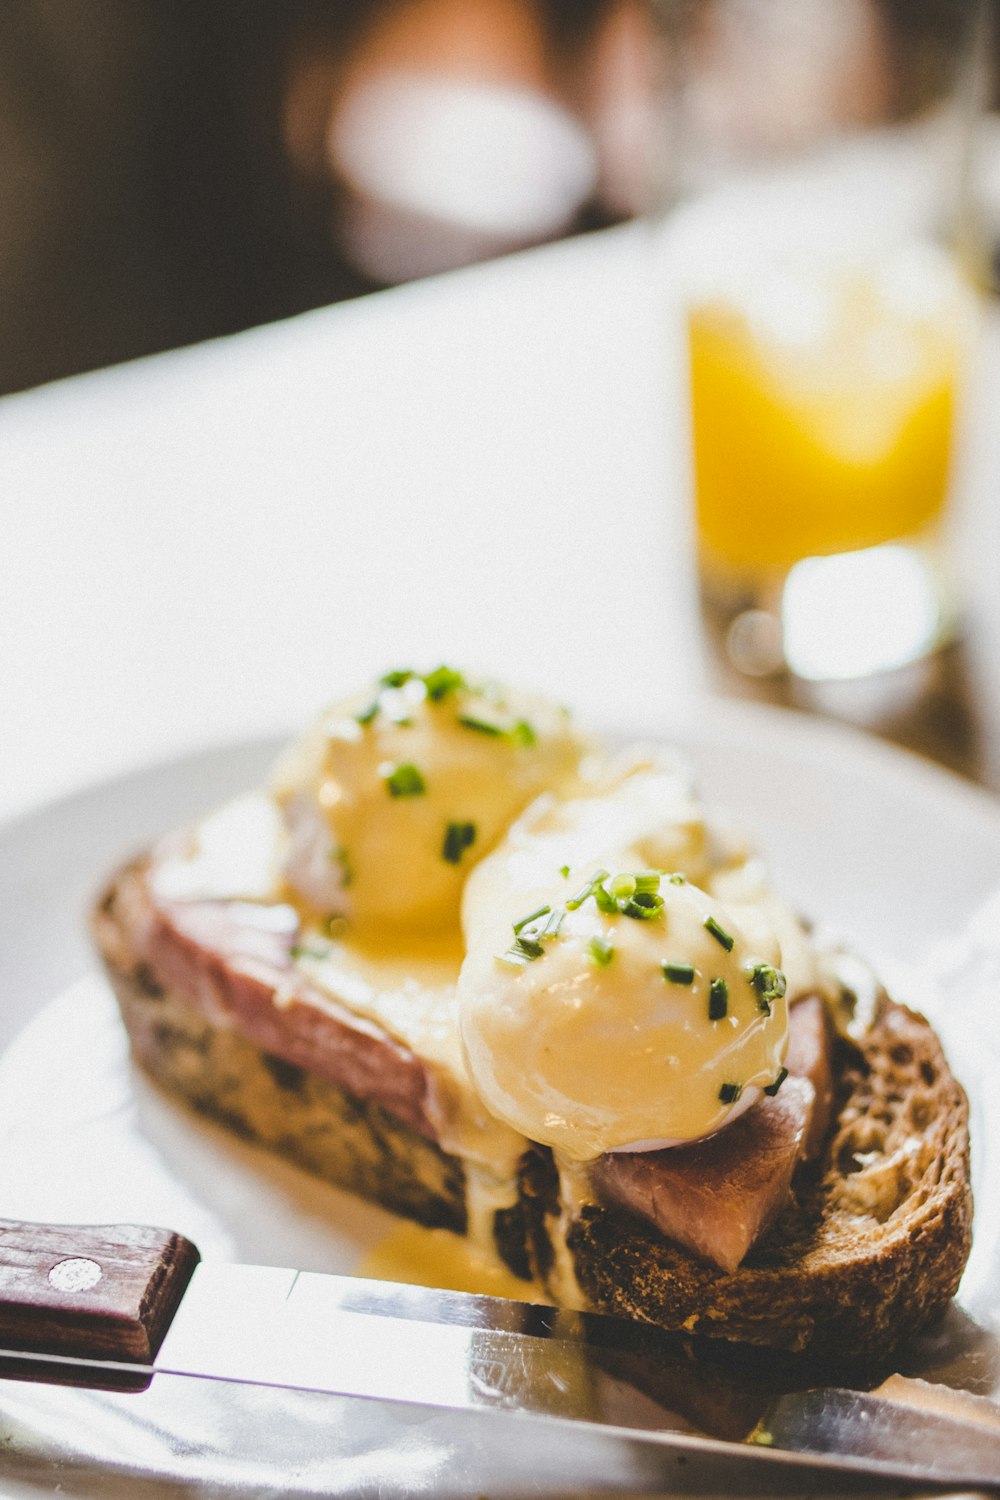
(115,1306)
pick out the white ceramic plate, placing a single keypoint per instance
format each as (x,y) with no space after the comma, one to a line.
(892,853)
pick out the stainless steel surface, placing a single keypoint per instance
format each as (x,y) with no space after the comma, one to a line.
(187,1437)
(636,1399)
(959,1448)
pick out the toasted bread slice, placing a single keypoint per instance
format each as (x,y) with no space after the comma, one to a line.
(868,1248)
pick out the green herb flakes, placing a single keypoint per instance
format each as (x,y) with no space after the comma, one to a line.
(442,682)
(621,895)
(642,907)
(719,933)
(308,950)
(482,726)
(405,780)
(718,999)
(457,838)
(586,891)
(542,911)
(769,983)
(772,1088)
(601,951)
(678,973)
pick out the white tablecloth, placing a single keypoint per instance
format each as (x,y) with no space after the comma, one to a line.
(485,468)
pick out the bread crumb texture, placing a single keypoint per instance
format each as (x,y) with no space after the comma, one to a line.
(870,1248)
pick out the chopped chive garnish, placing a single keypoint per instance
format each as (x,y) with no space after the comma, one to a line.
(601,951)
(678,973)
(307,950)
(643,906)
(395,679)
(564,871)
(772,1088)
(730,1092)
(441,682)
(719,933)
(648,881)
(458,837)
(542,911)
(604,899)
(770,984)
(518,732)
(555,921)
(529,932)
(718,999)
(586,890)
(523,950)
(677,879)
(365,717)
(481,726)
(405,780)
(515,957)
(621,894)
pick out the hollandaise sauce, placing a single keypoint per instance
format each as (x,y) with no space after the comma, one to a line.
(577,955)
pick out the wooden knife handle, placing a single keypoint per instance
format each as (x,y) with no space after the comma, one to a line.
(90,1292)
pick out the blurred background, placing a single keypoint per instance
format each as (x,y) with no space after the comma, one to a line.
(176,172)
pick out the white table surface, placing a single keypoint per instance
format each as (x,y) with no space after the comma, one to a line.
(482,468)
(486,468)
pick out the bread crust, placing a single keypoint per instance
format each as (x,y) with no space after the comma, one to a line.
(869,1249)
(871,1246)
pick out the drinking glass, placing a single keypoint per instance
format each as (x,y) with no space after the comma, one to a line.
(825,238)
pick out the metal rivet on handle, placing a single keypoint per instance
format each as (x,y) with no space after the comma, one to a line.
(75,1275)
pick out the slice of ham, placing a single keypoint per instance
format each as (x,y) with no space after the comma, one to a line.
(810,1056)
(232,960)
(718,1196)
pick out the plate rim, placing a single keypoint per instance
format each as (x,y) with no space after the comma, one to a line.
(823,737)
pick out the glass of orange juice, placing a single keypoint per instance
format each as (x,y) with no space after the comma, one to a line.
(825,254)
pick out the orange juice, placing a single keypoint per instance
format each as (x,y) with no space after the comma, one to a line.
(823,406)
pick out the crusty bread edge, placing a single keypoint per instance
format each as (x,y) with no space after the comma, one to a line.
(866,1255)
